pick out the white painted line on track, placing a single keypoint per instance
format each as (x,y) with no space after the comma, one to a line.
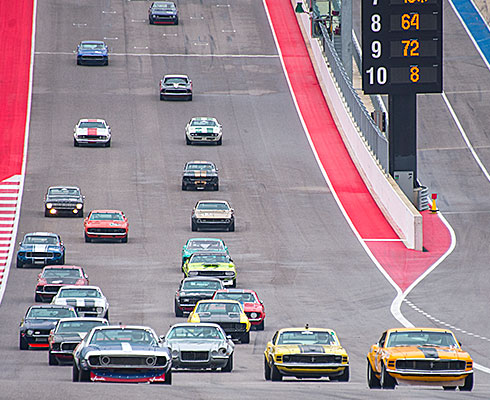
(111,38)
(140,48)
(228,30)
(109,12)
(201,44)
(196,17)
(139,20)
(223,5)
(79,25)
(169,34)
(57,53)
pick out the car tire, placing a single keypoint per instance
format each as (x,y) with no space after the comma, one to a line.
(162,97)
(267,370)
(108,144)
(75,377)
(216,187)
(106,316)
(62,262)
(79,62)
(194,226)
(23,343)
(38,298)
(178,312)
(233,285)
(229,365)
(52,360)
(260,327)
(468,384)
(84,376)
(168,378)
(386,380)
(189,98)
(80,214)
(449,388)
(75,143)
(176,21)
(184,187)
(19,264)
(276,376)
(87,239)
(187,141)
(46,213)
(150,21)
(124,239)
(106,63)
(231,228)
(344,377)
(372,380)
(219,142)
(245,339)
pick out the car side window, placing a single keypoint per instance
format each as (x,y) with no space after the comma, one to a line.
(274,338)
(382,340)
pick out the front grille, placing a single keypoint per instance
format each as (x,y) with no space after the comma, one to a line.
(201,179)
(233,326)
(210,273)
(312,359)
(203,134)
(194,300)
(41,332)
(51,289)
(431,365)
(194,355)
(86,309)
(106,230)
(68,346)
(93,58)
(214,220)
(176,91)
(125,361)
(42,254)
(92,137)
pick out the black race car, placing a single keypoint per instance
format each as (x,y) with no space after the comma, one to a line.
(200,175)
(163,12)
(36,325)
(191,290)
(67,200)
(175,87)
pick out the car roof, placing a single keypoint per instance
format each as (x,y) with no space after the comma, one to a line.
(201,278)
(417,329)
(296,329)
(94,319)
(80,287)
(157,3)
(91,120)
(122,327)
(195,324)
(209,239)
(92,42)
(107,211)
(213,201)
(235,291)
(199,162)
(64,187)
(42,234)
(175,76)
(220,301)
(62,267)
(50,306)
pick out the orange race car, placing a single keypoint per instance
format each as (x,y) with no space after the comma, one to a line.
(419,356)
(106,225)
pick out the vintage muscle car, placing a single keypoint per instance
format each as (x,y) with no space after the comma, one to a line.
(192,290)
(92,52)
(52,278)
(419,356)
(37,324)
(228,314)
(163,12)
(200,346)
(200,175)
(213,214)
(40,248)
(92,132)
(106,225)
(215,264)
(209,245)
(305,353)
(66,336)
(203,130)
(253,307)
(122,354)
(63,200)
(175,87)
(88,301)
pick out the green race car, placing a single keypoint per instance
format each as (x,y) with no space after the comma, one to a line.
(211,264)
(209,245)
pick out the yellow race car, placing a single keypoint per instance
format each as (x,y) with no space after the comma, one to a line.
(228,314)
(419,356)
(306,353)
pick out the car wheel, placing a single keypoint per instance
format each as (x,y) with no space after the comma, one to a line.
(124,239)
(46,213)
(233,285)
(344,377)
(178,311)
(75,373)
(189,98)
(184,187)
(373,381)
(260,327)
(106,316)
(194,227)
(276,376)
(79,62)
(106,62)
(219,142)
(386,381)
(245,338)
(38,298)
(229,365)
(449,388)
(23,343)
(468,384)
(267,370)
(52,360)
(19,264)
(62,262)
(176,21)
(168,378)
(150,21)
(84,376)
(108,144)
(80,214)
(187,141)
(87,239)
(216,187)
(162,97)
(75,143)
(231,228)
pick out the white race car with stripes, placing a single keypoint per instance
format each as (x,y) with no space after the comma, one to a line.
(88,301)
(92,132)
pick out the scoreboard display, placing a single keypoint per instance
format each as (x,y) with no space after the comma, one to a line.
(401,46)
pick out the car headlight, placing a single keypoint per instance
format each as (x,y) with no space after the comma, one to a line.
(49,205)
(99,309)
(254,315)
(79,206)
(21,254)
(229,273)
(175,353)
(193,273)
(222,351)
(30,332)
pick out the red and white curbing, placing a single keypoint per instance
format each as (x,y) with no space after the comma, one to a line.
(10,193)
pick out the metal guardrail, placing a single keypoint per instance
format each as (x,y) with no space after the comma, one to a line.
(374,138)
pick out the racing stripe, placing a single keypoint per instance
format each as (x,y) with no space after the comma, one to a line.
(311,348)
(126,346)
(71,302)
(80,302)
(429,352)
(92,131)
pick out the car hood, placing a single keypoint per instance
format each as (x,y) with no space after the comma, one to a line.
(124,347)
(421,352)
(93,131)
(61,281)
(252,307)
(195,345)
(81,302)
(309,349)
(201,129)
(42,248)
(105,224)
(163,12)
(232,317)
(70,337)
(197,293)
(89,52)
(214,267)
(51,197)
(37,323)
(213,214)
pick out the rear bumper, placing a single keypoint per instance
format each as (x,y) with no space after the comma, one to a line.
(87,60)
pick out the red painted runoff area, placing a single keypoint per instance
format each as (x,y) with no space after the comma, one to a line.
(15,55)
(403,265)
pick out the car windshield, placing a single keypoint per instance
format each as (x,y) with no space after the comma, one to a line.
(201,285)
(220,206)
(205,245)
(195,332)
(123,335)
(217,308)
(52,273)
(51,313)
(209,258)
(418,338)
(241,297)
(79,292)
(307,337)
(34,239)
(170,81)
(199,167)
(204,122)
(163,6)
(92,46)
(64,192)
(78,326)
(107,216)
(91,124)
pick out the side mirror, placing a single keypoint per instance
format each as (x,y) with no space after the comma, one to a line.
(229,337)
(460,344)
(162,338)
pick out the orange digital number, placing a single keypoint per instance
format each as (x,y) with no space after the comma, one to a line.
(411,47)
(410,21)
(414,74)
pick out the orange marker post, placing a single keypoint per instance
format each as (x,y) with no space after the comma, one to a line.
(434,207)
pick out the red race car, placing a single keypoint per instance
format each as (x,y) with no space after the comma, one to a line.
(253,307)
(52,277)
(106,224)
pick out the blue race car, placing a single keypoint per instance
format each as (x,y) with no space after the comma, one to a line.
(92,52)
(41,248)
(202,244)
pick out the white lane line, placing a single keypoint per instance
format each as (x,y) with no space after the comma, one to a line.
(201,44)
(196,17)
(228,30)
(140,48)
(111,38)
(57,53)
(169,34)
(79,25)
(222,5)
(139,20)
(465,137)
(109,12)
